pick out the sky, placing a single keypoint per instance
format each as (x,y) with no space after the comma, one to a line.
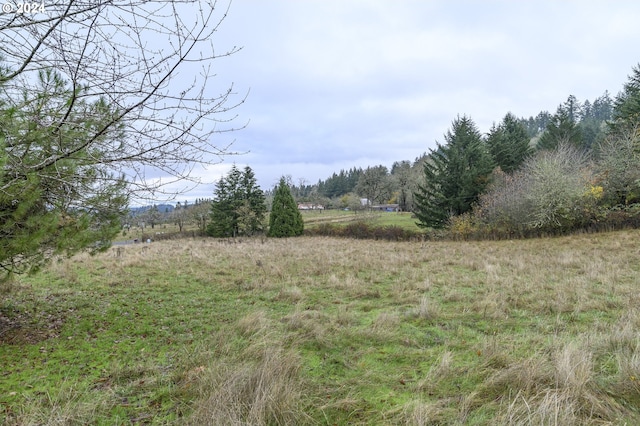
(336,84)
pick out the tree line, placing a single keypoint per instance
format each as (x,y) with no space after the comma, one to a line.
(507,143)
(552,172)
(536,173)
(581,170)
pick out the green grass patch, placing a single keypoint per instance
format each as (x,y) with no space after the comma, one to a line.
(328,331)
(341,218)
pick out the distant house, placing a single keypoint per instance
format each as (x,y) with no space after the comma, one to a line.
(310,206)
(386,207)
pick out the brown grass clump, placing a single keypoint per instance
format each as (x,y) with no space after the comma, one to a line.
(262,391)
(259,385)
(421,413)
(559,389)
(308,325)
(292,294)
(425,310)
(255,322)
(386,322)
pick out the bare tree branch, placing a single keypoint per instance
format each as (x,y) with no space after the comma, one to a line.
(133,55)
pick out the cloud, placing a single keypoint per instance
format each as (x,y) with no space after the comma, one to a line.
(336,84)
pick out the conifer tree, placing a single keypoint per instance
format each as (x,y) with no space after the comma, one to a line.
(51,204)
(254,200)
(626,109)
(285,219)
(454,175)
(562,130)
(509,143)
(239,205)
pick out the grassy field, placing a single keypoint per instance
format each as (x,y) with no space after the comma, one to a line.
(312,218)
(328,331)
(341,217)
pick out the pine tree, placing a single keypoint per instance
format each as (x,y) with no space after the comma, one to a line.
(52,203)
(602,109)
(536,125)
(454,175)
(224,220)
(573,108)
(285,219)
(431,204)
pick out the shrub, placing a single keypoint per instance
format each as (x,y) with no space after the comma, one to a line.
(463,226)
(362,230)
(552,192)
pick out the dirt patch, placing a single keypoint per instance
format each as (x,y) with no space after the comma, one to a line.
(22,328)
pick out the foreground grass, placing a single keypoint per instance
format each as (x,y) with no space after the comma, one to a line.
(328,331)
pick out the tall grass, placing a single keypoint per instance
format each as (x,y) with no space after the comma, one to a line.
(328,331)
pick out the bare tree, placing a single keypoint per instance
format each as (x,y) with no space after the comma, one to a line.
(152,64)
(619,164)
(551,191)
(100,100)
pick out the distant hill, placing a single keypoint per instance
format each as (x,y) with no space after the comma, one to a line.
(162,208)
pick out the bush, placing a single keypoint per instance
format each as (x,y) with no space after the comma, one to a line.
(462,227)
(552,192)
(362,230)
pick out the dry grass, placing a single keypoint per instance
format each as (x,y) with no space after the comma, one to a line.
(260,387)
(335,331)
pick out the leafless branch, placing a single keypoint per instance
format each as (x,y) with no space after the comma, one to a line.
(152,64)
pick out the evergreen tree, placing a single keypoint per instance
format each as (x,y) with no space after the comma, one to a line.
(602,109)
(285,219)
(454,175)
(536,125)
(254,199)
(56,195)
(562,130)
(239,205)
(626,110)
(572,108)
(509,143)
(593,118)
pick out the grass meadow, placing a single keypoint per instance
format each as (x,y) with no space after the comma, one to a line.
(328,331)
(403,220)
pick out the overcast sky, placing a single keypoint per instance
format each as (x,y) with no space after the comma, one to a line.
(340,83)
